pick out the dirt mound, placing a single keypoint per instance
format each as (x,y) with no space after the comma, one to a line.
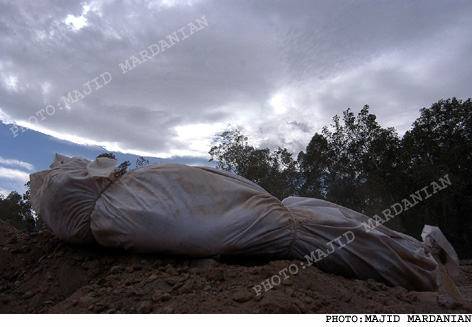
(41,274)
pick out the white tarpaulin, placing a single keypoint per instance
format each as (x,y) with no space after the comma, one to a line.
(201,211)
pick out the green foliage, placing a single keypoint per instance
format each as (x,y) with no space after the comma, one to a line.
(275,171)
(141,162)
(440,143)
(122,168)
(352,163)
(14,211)
(359,164)
(39,223)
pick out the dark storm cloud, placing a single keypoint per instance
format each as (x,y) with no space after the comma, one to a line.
(258,64)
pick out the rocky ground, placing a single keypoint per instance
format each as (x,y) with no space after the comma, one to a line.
(41,274)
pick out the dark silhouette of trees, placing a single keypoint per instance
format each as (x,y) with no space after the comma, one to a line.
(14,210)
(359,164)
(440,143)
(141,162)
(275,171)
(351,163)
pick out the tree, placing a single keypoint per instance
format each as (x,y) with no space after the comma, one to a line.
(352,163)
(440,143)
(284,178)
(359,164)
(274,171)
(140,162)
(40,224)
(372,152)
(314,164)
(14,210)
(121,169)
(231,152)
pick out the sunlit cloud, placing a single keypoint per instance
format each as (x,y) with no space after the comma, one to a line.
(78,22)
(15,174)
(19,163)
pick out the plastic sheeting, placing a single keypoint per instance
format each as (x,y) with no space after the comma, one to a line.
(201,211)
(438,244)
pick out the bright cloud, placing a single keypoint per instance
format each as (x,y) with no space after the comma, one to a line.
(14,162)
(8,173)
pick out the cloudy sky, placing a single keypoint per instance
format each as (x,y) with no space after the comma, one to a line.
(161,78)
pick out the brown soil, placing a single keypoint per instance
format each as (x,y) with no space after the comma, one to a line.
(41,274)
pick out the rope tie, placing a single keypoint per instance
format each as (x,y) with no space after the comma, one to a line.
(295,230)
(89,215)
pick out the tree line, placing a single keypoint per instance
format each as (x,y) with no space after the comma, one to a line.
(357,163)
